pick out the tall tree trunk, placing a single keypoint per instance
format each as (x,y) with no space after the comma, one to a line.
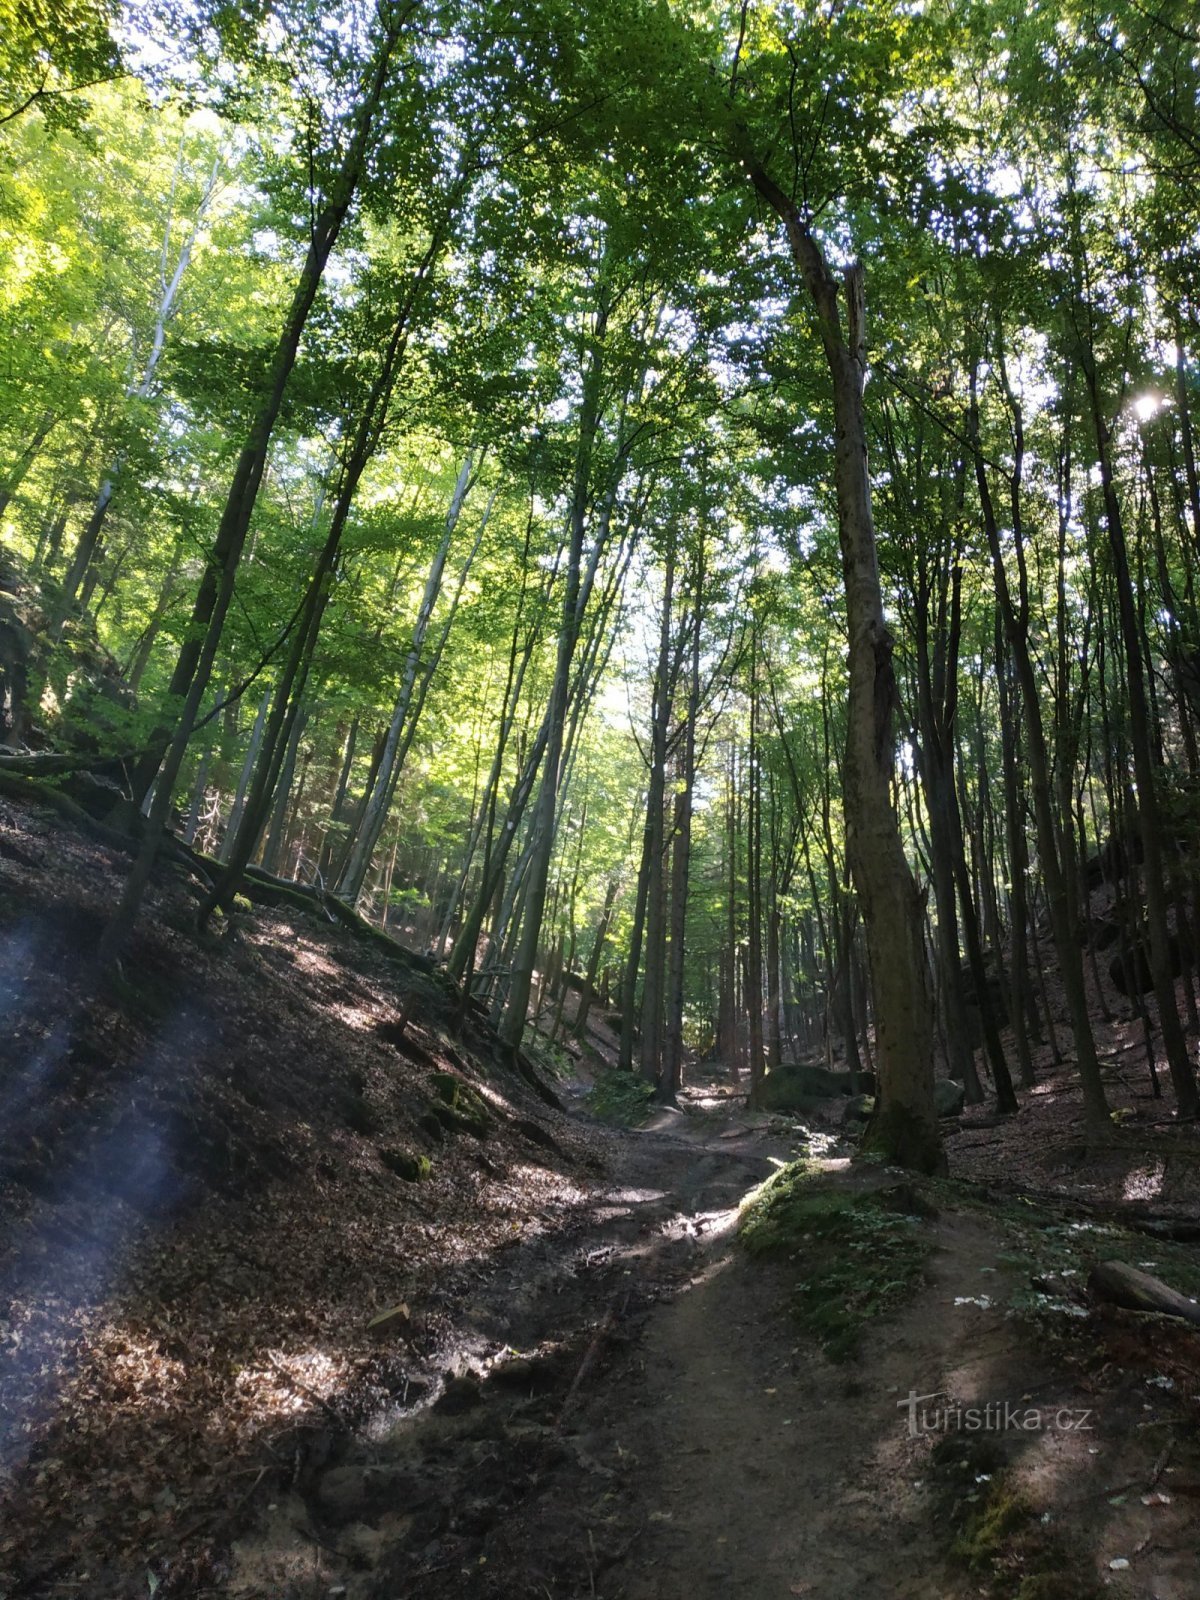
(754,917)
(1149,821)
(1070,958)
(654,980)
(411,700)
(574,592)
(672,1068)
(904,1127)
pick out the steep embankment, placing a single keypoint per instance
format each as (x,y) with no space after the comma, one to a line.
(221,1170)
(207,1175)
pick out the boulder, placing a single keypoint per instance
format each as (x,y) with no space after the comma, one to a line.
(412,1168)
(461,1394)
(788,1086)
(858,1110)
(948,1097)
(458,1107)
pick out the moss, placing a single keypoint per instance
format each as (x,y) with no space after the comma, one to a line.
(412,1168)
(997,1531)
(988,1529)
(859,1258)
(447,1087)
(457,1109)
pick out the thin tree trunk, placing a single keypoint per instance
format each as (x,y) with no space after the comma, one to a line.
(193,669)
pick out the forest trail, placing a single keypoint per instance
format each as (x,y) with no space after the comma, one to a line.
(599,1392)
(671,1435)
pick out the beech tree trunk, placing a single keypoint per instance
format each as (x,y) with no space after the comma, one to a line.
(904,1128)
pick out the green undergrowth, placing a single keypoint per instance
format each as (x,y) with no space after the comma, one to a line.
(859,1256)
(624,1098)
(997,1532)
(551,1060)
(1039,1240)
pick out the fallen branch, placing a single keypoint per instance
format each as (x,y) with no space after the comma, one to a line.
(1123,1285)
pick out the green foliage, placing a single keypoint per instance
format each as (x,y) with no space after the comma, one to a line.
(50,51)
(988,1528)
(622,1098)
(411,1168)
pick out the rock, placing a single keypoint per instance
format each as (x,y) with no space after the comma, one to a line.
(536,1134)
(541,1370)
(793,1088)
(458,1107)
(948,1097)
(859,1109)
(460,1394)
(1122,1285)
(395,1319)
(430,1125)
(413,1169)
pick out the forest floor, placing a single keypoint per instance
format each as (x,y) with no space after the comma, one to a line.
(588,1386)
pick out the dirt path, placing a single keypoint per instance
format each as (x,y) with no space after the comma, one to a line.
(666,1433)
(776,1472)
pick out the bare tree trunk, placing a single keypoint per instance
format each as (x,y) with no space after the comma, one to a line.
(1149,821)
(672,1070)
(574,592)
(904,1127)
(1069,955)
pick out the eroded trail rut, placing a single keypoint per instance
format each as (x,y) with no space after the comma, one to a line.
(511,1470)
(662,1433)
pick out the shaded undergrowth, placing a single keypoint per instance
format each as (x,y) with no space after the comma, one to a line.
(622,1098)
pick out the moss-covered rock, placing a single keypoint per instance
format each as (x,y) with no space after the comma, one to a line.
(856,1257)
(412,1168)
(794,1088)
(458,1107)
(948,1097)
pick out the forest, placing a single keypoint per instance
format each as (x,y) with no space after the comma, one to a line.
(589,572)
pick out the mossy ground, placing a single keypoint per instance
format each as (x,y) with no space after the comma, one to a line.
(859,1256)
(1044,1241)
(622,1098)
(997,1532)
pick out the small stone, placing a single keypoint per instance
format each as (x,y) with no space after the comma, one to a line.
(390,1321)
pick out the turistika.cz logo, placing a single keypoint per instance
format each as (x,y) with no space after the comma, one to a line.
(945,1415)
